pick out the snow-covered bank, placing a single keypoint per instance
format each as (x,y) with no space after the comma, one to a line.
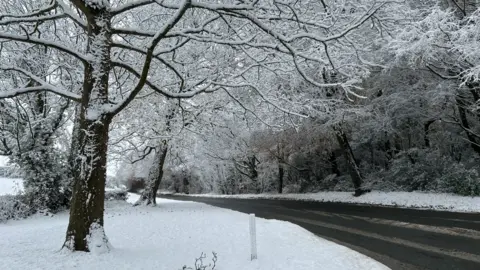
(10,186)
(173,235)
(436,201)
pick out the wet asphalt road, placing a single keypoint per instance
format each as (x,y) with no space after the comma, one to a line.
(398,238)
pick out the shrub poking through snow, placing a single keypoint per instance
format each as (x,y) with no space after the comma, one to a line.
(116,195)
(199,264)
(12,207)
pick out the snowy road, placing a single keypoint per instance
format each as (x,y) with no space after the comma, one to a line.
(399,238)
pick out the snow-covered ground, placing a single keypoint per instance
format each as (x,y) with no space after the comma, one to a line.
(436,201)
(172,235)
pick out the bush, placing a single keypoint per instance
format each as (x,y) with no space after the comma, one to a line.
(13,207)
(117,195)
(135,184)
(461,181)
(199,264)
(422,170)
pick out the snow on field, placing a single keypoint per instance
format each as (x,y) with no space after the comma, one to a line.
(436,201)
(10,186)
(172,235)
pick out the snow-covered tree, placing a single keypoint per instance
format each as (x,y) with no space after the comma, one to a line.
(30,125)
(119,55)
(444,40)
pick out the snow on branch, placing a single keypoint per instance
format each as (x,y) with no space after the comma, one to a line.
(33,19)
(171,34)
(170,24)
(55,45)
(253,23)
(143,76)
(196,4)
(131,5)
(200,87)
(354,25)
(220,41)
(26,73)
(49,88)
(287,44)
(43,86)
(263,96)
(42,15)
(71,14)
(34,13)
(157,57)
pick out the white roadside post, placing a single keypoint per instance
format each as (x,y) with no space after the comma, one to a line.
(253,237)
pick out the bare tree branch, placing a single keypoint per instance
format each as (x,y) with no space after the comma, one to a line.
(150,54)
(43,42)
(20,91)
(44,86)
(188,93)
(131,5)
(36,13)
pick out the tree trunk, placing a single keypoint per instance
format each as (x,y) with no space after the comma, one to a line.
(186,185)
(73,168)
(389,151)
(154,179)
(461,105)
(332,159)
(85,229)
(281,173)
(74,144)
(352,166)
(426,129)
(253,173)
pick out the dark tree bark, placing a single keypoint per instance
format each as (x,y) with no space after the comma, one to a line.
(155,176)
(155,173)
(461,105)
(73,165)
(281,174)
(248,168)
(389,151)
(252,167)
(186,185)
(85,229)
(74,143)
(87,205)
(332,159)
(253,173)
(281,162)
(352,166)
(426,129)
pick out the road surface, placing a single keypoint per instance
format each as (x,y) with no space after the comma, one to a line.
(398,238)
